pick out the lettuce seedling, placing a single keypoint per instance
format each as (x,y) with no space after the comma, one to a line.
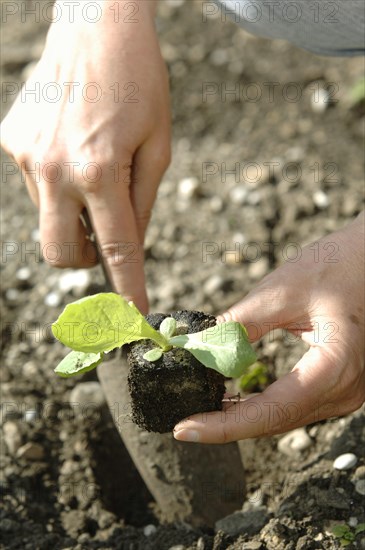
(103,322)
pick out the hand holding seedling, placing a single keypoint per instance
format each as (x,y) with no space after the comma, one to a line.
(321,302)
(104,145)
(172,359)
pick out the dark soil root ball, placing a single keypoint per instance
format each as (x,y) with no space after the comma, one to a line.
(165,391)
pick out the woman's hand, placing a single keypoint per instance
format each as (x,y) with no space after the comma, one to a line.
(96,134)
(321,299)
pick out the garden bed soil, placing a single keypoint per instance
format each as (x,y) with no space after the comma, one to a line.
(67,481)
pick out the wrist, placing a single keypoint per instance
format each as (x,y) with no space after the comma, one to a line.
(96,15)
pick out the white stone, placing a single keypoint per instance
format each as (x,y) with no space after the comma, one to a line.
(320,100)
(149,530)
(75,280)
(320,199)
(353,522)
(213,284)
(53,299)
(36,235)
(216,204)
(30,415)
(87,393)
(257,270)
(12,436)
(254,198)
(12,294)
(294,442)
(188,188)
(219,57)
(345,461)
(239,238)
(29,369)
(360,487)
(23,274)
(238,195)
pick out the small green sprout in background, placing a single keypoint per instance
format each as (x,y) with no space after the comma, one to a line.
(100,323)
(256,377)
(346,534)
(357,92)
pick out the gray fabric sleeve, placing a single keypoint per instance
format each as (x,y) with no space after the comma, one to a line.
(335,28)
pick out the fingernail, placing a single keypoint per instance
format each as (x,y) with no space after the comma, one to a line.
(187,435)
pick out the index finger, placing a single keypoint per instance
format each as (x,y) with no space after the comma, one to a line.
(113,220)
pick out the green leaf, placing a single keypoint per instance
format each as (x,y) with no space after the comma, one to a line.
(360,528)
(357,92)
(103,322)
(340,530)
(256,375)
(77,362)
(168,327)
(153,354)
(224,348)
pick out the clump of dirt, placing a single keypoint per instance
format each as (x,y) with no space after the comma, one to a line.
(175,386)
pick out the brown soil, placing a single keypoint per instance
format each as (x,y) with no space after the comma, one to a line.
(82,491)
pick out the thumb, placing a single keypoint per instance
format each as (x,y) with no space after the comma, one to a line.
(304,396)
(274,303)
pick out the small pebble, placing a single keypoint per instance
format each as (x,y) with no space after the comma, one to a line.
(219,57)
(294,442)
(360,487)
(238,195)
(12,294)
(29,369)
(239,238)
(257,270)
(254,198)
(23,274)
(36,234)
(87,393)
(53,299)
(359,472)
(295,154)
(213,284)
(75,281)
(320,199)
(149,530)
(345,461)
(320,100)
(30,415)
(232,257)
(188,188)
(12,436)
(216,204)
(105,519)
(31,451)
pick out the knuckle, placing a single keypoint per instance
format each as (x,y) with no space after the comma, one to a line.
(143,218)
(118,254)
